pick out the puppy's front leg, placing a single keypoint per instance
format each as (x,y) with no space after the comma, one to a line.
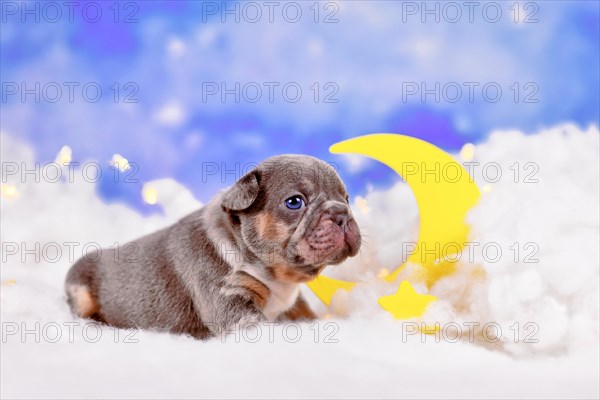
(238,305)
(299,312)
(234,312)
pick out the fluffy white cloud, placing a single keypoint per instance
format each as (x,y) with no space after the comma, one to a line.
(559,294)
(541,213)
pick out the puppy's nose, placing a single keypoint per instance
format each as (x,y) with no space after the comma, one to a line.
(338,213)
(341,219)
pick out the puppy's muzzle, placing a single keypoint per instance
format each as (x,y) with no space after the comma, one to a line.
(336,235)
(339,214)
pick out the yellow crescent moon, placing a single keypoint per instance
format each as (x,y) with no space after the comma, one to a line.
(444,192)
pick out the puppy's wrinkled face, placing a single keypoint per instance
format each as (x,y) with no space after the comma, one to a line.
(293,214)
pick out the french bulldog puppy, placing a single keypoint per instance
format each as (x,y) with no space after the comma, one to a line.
(237,261)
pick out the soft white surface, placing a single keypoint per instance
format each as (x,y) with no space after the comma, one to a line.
(371,357)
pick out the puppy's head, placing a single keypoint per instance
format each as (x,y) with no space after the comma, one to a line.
(292,213)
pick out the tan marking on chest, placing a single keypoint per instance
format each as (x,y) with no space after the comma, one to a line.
(257,290)
(283,297)
(280,296)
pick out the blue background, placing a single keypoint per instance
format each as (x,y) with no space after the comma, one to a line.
(170,49)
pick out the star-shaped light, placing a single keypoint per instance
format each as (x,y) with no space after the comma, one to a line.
(406,302)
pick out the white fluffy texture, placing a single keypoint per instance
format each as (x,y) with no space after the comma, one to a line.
(559,294)
(553,221)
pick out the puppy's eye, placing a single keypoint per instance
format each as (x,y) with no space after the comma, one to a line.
(294,203)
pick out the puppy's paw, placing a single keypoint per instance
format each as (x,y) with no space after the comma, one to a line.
(247,326)
(299,312)
(250,321)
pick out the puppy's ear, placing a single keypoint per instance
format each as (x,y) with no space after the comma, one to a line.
(241,195)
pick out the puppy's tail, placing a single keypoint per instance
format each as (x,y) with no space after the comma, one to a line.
(82,290)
